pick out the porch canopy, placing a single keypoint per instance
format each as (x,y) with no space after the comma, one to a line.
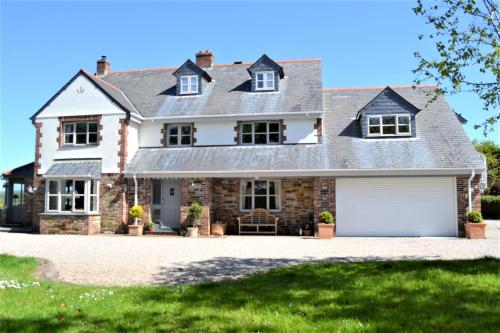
(75,169)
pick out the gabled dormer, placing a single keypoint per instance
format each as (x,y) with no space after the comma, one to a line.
(265,74)
(191,79)
(388,115)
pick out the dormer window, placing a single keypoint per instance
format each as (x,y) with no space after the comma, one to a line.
(389,125)
(189,84)
(264,81)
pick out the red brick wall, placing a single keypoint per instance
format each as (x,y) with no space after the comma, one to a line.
(463,201)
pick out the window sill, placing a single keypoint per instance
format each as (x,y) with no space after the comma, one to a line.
(69,214)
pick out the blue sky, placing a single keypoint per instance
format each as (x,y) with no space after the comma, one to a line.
(43,44)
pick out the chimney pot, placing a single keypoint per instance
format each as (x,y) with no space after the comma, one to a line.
(205,59)
(103,66)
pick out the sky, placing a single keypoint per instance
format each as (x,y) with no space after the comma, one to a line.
(43,44)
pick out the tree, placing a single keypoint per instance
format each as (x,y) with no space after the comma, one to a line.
(466,35)
(492,152)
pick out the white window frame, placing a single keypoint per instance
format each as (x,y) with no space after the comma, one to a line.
(277,184)
(253,133)
(60,196)
(179,135)
(264,80)
(381,125)
(191,79)
(87,133)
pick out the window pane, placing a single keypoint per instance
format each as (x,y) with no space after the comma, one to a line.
(92,127)
(68,128)
(273,202)
(93,203)
(81,127)
(92,138)
(260,187)
(404,129)
(374,121)
(93,187)
(272,187)
(386,120)
(79,202)
(274,127)
(173,130)
(67,203)
(274,138)
(79,187)
(260,202)
(81,138)
(172,140)
(68,138)
(156,192)
(53,203)
(260,77)
(403,120)
(270,76)
(194,84)
(247,202)
(246,128)
(186,130)
(67,187)
(246,138)
(247,188)
(260,139)
(53,187)
(18,194)
(185,140)
(389,130)
(260,127)
(184,80)
(374,129)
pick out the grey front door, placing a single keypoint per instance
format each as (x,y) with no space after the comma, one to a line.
(170,204)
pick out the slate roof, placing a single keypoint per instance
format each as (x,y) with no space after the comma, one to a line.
(342,147)
(152,92)
(75,168)
(23,171)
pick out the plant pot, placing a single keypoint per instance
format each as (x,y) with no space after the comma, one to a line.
(218,229)
(135,229)
(475,230)
(192,232)
(307,233)
(326,231)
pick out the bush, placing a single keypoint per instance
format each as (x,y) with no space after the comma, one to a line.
(326,217)
(195,212)
(490,206)
(474,217)
(136,212)
(149,226)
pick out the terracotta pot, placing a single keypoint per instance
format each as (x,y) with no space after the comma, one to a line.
(475,230)
(135,229)
(218,229)
(307,233)
(192,232)
(326,231)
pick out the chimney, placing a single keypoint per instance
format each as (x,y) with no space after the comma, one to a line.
(205,59)
(103,66)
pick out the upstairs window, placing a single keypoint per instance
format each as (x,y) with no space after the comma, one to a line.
(260,133)
(264,81)
(189,84)
(179,135)
(81,133)
(389,125)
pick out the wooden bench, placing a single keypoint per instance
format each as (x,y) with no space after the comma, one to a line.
(256,219)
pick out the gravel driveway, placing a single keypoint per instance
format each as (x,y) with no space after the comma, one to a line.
(126,260)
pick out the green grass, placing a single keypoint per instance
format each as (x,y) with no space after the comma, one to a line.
(399,296)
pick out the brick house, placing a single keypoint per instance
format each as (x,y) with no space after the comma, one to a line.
(235,137)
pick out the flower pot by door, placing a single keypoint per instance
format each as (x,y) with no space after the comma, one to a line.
(218,229)
(326,231)
(307,232)
(475,230)
(192,232)
(135,229)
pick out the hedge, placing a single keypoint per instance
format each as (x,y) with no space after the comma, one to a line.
(490,206)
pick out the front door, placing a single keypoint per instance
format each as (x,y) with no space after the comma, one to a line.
(170,204)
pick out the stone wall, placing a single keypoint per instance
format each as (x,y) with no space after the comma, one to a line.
(70,224)
(112,203)
(144,191)
(200,191)
(324,196)
(463,201)
(38,205)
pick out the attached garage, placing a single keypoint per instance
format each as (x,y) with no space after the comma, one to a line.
(396,206)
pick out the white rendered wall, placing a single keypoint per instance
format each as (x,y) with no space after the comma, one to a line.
(215,133)
(132,140)
(150,134)
(300,131)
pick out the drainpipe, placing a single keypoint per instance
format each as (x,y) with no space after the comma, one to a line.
(469,182)
(135,196)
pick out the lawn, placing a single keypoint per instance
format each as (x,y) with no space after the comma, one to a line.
(398,296)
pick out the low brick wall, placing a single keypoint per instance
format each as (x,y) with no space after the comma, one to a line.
(70,224)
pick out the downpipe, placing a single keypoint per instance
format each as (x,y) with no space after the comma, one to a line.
(469,189)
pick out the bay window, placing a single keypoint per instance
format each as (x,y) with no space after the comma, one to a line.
(72,195)
(260,194)
(260,133)
(389,125)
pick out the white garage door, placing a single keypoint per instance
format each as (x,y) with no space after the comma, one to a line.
(413,206)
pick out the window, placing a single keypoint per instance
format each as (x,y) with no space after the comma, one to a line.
(260,194)
(388,125)
(179,135)
(84,133)
(17,194)
(189,84)
(70,195)
(264,81)
(260,133)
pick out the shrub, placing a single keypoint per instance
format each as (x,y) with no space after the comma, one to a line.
(195,212)
(136,212)
(326,217)
(149,226)
(474,217)
(490,206)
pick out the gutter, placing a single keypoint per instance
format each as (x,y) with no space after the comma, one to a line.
(242,116)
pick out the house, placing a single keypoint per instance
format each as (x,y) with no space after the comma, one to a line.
(235,137)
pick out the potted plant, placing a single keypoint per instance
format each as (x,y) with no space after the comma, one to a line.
(326,227)
(194,214)
(136,213)
(307,229)
(475,228)
(149,226)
